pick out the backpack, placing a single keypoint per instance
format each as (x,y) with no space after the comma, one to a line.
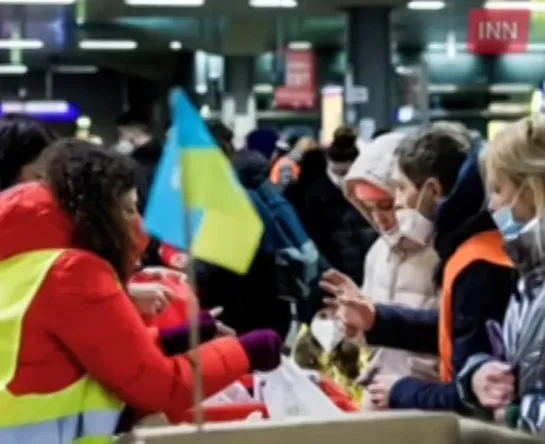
(296,255)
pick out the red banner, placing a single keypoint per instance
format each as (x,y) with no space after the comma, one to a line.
(301,84)
(494,31)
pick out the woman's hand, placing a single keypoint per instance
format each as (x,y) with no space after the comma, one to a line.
(356,312)
(223,329)
(494,385)
(150,298)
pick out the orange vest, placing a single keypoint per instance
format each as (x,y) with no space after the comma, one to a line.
(486,246)
(282,163)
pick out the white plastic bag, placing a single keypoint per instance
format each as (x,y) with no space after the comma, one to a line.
(288,392)
(236,393)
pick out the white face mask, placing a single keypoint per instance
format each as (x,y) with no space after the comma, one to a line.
(414,226)
(335,178)
(124,147)
(392,237)
(328,332)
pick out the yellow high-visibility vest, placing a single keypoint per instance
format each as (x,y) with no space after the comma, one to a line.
(84,412)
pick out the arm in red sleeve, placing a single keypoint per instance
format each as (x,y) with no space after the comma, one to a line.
(94,318)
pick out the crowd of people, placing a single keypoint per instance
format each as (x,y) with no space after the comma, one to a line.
(415,263)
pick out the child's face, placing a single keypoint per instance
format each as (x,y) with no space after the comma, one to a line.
(408,195)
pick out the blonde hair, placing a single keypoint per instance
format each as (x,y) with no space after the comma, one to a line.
(306,144)
(517,153)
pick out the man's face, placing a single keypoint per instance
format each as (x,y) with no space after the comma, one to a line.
(408,195)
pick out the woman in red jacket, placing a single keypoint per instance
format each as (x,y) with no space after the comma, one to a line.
(73,349)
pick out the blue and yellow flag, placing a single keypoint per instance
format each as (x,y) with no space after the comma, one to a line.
(196,202)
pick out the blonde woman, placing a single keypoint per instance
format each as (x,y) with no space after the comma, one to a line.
(512,382)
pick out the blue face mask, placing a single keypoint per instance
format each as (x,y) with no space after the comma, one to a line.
(505,222)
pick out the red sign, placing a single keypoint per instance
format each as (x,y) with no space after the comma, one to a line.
(300,89)
(494,31)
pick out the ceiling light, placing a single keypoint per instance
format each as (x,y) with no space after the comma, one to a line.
(423,5)
(300,45)
(108,45)
(35,107)
(176,3)
(13,69)
(175,45)
(21,44)
(37,2)
(273,3)
(531,6)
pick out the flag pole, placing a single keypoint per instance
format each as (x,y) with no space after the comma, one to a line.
(194,331)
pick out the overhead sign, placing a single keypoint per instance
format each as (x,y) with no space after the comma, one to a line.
(495,31)
(300,86)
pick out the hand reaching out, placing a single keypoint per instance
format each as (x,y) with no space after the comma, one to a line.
(356,312)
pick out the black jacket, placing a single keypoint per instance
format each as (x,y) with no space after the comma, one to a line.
(251,301)
(341,234)
(147,159)
(480,292)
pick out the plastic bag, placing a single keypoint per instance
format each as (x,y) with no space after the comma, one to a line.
(236,393)
(289,392)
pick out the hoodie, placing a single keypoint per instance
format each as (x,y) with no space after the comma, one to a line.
(393,277)
(81,321)
(481,292)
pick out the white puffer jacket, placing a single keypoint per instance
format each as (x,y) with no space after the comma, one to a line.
(392,277)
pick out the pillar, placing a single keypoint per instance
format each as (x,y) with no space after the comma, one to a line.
(184,72)
(370,67)
(239,106)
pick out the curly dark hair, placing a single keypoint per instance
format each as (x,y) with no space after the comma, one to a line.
(437,150)
(22,141)
(89,182)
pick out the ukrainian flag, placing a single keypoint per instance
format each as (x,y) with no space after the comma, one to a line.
(196,203)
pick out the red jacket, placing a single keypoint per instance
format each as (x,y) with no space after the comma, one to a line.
(82,321)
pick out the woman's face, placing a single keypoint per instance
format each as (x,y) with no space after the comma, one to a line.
(129,205)
(520,199)
(139,237)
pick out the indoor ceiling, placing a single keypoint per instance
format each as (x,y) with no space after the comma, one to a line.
(221,26)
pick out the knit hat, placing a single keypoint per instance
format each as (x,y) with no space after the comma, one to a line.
(262,141)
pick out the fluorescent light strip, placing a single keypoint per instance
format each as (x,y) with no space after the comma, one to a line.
(174,3)
(423,5)
(300,45)
(35,107)
(531,6)
(436,47)
(273,3)
(75,69)
(13,69)
(37,2)
(108,45)
(21,44)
